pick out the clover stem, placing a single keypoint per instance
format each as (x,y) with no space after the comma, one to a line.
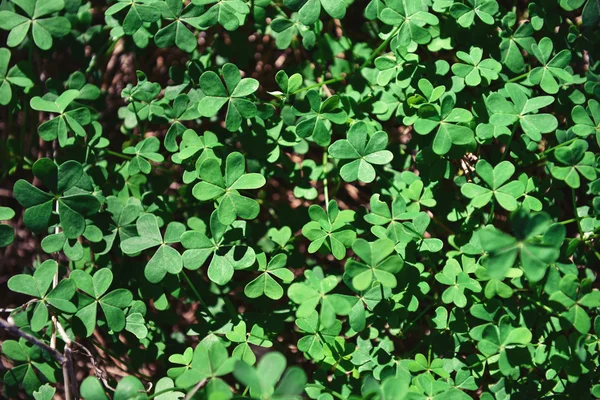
(557,146)
(577,218)
(116,154)
(197,294)
(331,391)
(510,139)
(517,78)
(325,188)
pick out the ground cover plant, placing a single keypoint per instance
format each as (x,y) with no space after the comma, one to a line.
(286,199)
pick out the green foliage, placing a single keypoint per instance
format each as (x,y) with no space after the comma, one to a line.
(290,199)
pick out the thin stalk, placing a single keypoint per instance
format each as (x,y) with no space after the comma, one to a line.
(325,183)
(120,155)
(197,294)
(577,218)
(568,142)
(518,78)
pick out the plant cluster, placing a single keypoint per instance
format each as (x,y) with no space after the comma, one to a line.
(285,199)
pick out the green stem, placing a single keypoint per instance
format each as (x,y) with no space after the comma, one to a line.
(325,183)
(380,48)
(120,155)
(333,392)
(557,146)
(518,78)
(577,218)
(197,294)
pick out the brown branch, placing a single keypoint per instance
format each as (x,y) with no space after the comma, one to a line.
(13,330)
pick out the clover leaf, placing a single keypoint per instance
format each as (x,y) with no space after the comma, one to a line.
(315,291)
(316,337)
(578,162)
(310,10)
(256,337)
(138,13)
(93,293)
(165,259)
(410,18)
(537,241)
(459,281)
(38,286)
(66,121)
(445,120)
(177,33)
(34,366)
(584,124)
(288,29)
(379,265)
(496,178)
(521,109)
(7,234)
(37,17)
(233,94)
(144,152)
(8,77)
(417,228)
(550,70)
(573,297)
(363,150)
(465,13)
(224,188)
(382,214)
(474,68)
(317,116)
(207,361)
(513,42)
(265,284)
(266,381)
(229,13)
(73,203)
(502,340)
(329,229)
(226,255)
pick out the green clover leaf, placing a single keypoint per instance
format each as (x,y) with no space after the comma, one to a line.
(512,43)
(537,241)
(363,150)
(584,124)
(502,340)
(224,188)
(445,120)
(550,70)
(38,287)
(256,336)
(316,337)
(138,13)
(329,229)
(177,33)
(217,95)
(465,13)
(310,10)
(9,77)
(144,152)
(496,178)
(263,381)
(94,293)
(265,284)
(578,162)
(7,234)
(165,259)
(231,14)
(36,367)
(379,265)
(66,121)
(37,17)
(573,297)
(474,68)
(459,281)
(505,113)
(315,291)
(410,17)
(227,256)
(74,203)
(317,116)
